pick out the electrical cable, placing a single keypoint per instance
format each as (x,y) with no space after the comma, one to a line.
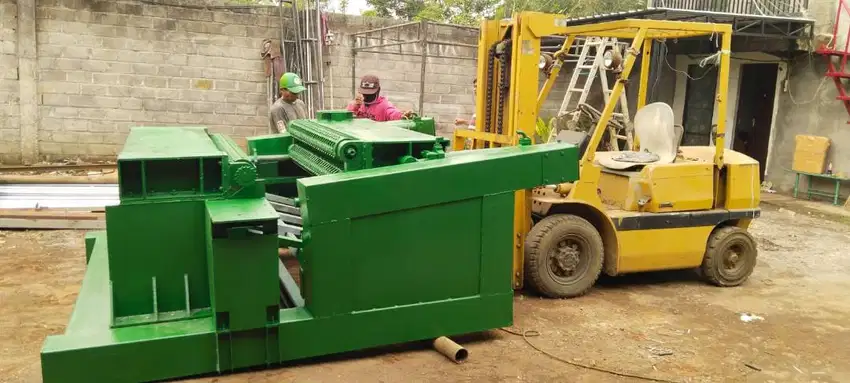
(525,334)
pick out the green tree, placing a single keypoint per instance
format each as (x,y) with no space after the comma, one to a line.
(573,8)
(452,11)
(468,12)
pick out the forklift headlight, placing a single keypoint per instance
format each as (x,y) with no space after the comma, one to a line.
(612,59)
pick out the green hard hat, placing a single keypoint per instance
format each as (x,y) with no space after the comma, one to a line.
(291,82)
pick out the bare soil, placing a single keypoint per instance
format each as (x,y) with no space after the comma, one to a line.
(667,325)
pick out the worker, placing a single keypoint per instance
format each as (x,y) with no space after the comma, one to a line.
(288,107)
(470,124)
(370,104)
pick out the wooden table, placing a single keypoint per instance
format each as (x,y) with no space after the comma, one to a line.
(809,191)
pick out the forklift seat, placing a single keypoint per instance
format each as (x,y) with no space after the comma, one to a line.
(658,137)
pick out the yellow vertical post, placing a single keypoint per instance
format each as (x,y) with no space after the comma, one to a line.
(722,92)
(522,108)
(644,73)
(645,66)
(553,74)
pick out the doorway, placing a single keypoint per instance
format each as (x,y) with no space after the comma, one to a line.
(700,95)
(754,115)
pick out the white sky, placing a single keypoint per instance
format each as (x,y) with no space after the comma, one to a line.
(355,7)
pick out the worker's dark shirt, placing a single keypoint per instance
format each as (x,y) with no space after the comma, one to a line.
(282,112)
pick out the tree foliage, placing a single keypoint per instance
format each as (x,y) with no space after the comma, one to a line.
(469,12)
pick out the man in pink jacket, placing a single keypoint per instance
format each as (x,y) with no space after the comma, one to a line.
(370,104)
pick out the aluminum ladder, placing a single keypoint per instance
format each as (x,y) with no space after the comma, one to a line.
(589,63)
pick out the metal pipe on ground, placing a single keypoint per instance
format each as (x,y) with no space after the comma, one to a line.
(455,352)
(108,178)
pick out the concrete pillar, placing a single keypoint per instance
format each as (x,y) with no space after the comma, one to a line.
(28,81)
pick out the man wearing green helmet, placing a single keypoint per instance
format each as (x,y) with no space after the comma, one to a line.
(288,107)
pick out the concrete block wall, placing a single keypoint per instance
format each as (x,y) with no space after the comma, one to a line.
(808,105)
(77,75)
(448,80)
(105,66)
(10,138)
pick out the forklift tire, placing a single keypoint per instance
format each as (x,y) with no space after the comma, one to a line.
(563,256)
(730,257)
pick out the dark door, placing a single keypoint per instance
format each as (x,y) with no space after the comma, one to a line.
(700,95)
(755,111)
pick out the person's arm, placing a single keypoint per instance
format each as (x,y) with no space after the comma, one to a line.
(277,119)
(391,113)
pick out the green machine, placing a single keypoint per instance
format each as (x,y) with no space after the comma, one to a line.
(396,240)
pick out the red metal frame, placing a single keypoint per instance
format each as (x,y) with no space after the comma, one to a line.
(829,51)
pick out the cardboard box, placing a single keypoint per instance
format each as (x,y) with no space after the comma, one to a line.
(810,154)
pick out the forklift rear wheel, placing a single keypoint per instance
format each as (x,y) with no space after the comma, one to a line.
(730,257)
(563,256)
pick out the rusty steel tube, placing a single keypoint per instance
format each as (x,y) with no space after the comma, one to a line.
(455,352)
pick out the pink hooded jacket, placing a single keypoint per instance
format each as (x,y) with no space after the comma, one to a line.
(379,110)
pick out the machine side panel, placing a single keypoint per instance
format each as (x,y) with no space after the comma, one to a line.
(496,239)
(460,177)
(165,241)
(427,254)
(304,337)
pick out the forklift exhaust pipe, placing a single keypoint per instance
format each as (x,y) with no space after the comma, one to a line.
(455,352)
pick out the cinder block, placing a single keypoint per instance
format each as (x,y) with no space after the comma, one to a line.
(242,131)
(225,85)
(54,99)
(188,14)
(189,118)
(101,126)
(94,101)
(168,70)
(235,30)
(203,107)
(119,43)
(227,17)
(246,110)
(155,105)
(58,87)
(106,78)
(106,150)
(179,106)
(116,115)
(63,136)
(131,103)
(52,75)
(49,148)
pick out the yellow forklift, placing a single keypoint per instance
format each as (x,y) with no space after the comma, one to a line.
(656,205)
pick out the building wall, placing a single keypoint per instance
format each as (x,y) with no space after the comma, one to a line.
(447,79)
(805,100)
(808,105)
(10,139)
(105,66)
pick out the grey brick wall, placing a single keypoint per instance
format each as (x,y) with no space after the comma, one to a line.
(9,110)
(106,66)
(448,80)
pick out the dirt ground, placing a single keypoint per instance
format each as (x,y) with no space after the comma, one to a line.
(665,325)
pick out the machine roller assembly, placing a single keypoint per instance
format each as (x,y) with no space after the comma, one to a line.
(186,278)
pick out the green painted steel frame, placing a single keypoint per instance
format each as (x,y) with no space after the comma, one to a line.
(444,270)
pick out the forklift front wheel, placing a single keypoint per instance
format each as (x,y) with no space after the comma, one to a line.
(730,257)
(563,256)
